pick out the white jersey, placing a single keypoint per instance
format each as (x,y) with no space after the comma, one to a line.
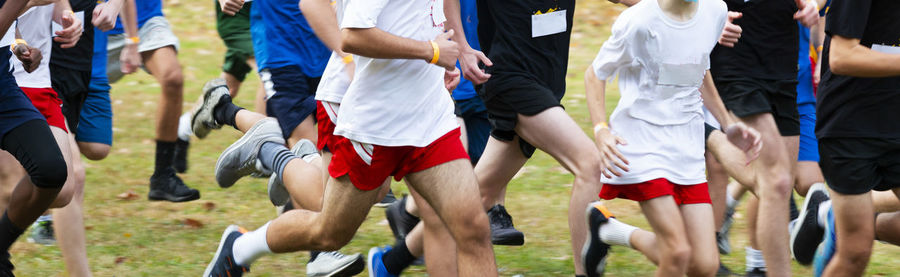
(34,26)
(661,64)
(396,102)
(335,80)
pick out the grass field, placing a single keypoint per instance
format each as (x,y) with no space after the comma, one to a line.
(140,238)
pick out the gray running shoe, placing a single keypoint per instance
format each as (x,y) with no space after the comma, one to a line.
(42,233)
(240,159)
(722,236)
(335,264)
(278,194)
(214,92)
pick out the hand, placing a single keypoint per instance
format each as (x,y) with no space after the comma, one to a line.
(732,32)
(745,138)
(468,61)
(71,31)
(807,13)
(104,16)
(231,7)
(130,59)
(451,79)
(30,57)
(449,51)
(611,158)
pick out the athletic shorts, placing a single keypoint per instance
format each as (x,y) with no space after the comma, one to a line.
(369,165)
(683,194)
(508,95)
(747,96)
(96,119)
(859,165)
(326,117)
(478,126)
(72,87)
(156,33)
(47,102)
(290,96)
(15,107)
(235,33)
(809,145)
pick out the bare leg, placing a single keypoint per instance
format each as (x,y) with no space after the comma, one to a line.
(94,151)
(717,179)
(163,64)
(887,227)
(306,130)
(499,163)
(436,239)
(855,230)
(731,158)
(245,119)
(10,174)
(701,235)
(808,173)
(885,202)
(234,85)
(65,194)
(674,249)
(69,221)
(260,101)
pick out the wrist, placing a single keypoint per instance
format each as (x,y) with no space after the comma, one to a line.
(132,41)
(435,52)
(18,42)
(600,126)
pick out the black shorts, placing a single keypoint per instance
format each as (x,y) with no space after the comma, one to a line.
(292,96)
(508,95)
(859,165)
(708,130)
(72,87)
(746,96)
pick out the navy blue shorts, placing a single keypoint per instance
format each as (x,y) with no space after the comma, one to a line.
(809,145)
(95,121)
(15,107)
(291,96)
(478,126)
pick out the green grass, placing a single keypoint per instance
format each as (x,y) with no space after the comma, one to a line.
(141,238)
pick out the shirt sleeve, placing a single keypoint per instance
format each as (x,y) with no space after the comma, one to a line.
(847,18)
(614,53)
(363,14)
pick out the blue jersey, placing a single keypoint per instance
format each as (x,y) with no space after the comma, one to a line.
(289,40)
(99,81)
(146,9)
(258,35)
(469,16)
(804,69)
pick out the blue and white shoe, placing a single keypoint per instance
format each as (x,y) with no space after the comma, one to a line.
(375,263)
(595,251)
(827,248)
(223,264)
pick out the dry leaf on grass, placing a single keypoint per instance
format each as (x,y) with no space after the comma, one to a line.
(192,223)
(209,206)
(128,195)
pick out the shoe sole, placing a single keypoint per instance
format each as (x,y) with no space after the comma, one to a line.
(509,242)
(234,147)
(369,259)
(803,212)
(202,131)
(229,230)
(278,194)
(348,270)
(590,240)
(155,197)
(382,205)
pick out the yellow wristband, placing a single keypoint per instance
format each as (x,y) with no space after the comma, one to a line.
(819,48)
(132,40)
(437,53)
(17,42)
(348,59)
(600,126)
(70,12)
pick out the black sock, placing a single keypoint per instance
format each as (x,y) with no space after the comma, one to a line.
(165,156)
(9,232)
(313,255)
(226,111)
(275,157)
(398,258)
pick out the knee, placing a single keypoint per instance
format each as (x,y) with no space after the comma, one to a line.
(94,151)
(704,267)
(678,256)
(329,239)
(50,173)
(172,79)
(856,256)
(589,170)
(780,185)
(473,228)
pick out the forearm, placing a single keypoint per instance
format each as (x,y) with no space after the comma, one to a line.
(713,102)
(848,57)
(595,91)
(626,2)
(322,19)
(454,22)
(60,7)
(129,18)
(375,43)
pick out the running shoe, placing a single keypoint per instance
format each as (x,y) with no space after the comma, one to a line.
(6,267)
(502,230)
(42,233)
(375,264)
(722,236)
(806,233)
(214,93)
(278,194)
(826,248)
(595,251)
(169,187)
(401,222)
(335,264)
(756,272)
(387,200)
(223,264)
(240,159)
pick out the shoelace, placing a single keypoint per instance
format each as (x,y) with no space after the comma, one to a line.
(333,254)
(502,218)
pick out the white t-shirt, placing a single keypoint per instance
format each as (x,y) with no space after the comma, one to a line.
(661,64)
(335,81)
(34,26)
(396,102)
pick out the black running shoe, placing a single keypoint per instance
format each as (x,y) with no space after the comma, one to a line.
(223,264)
(6,267)
(806,233)
(167,186)
(595,251)
(502,230)
(755,272)
(388,199)
(181,152)
(401,222)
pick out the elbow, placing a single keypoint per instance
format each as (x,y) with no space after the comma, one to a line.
(838,65)
(349,41)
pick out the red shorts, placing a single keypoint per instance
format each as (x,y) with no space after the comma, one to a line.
(325,123)
(683,194)
(47,102)
(369,165)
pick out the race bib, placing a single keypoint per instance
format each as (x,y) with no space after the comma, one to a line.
(437,13)
(548,23)
(887,49)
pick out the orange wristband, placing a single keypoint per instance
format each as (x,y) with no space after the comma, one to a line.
(133,40)
(348,59)
(600,126)
(437,53)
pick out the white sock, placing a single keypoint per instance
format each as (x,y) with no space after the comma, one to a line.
(729,200)
(250,246)
(615,232)
(754,259)
(184,127)
(823,213)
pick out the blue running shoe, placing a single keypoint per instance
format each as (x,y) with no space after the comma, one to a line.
(376,264)
(826,249)
(223,264)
